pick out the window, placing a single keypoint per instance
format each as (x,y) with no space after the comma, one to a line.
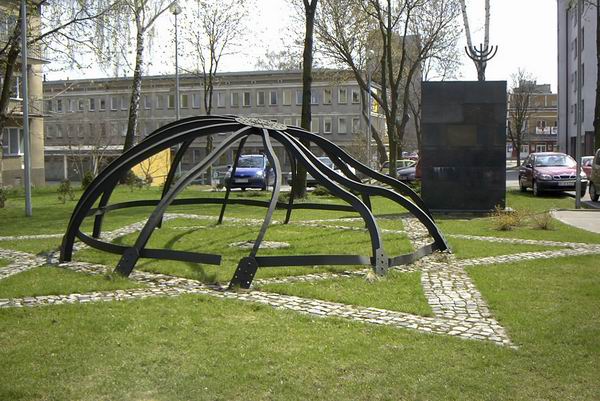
(298,122)
(124,103)
(114,103)
(59,105)
(171,102)
(49,106)
(260,99)
(184,101)
(298,98)
(342,96)
(49,129)
(342,126)
(246,99)
(287,121)
(327,125)
(70,105)
(80,105)
(59,132)
(81,131)
(327,96)
(15,88)
(147,102)
(314,124)
(355,125)
(70,130)
(160,102)
(314,97)
(273,98)
(196,100)
(102,104)
(92,104)
(287,97)
(220,99)
(355,96)
(13,141)
(235,99)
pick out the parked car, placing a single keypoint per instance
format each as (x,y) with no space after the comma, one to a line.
(252,171)
(550,171)
(595,178)
(400,164)
(409,174)
(586,165)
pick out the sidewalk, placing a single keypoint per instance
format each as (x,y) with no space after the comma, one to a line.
(585,219)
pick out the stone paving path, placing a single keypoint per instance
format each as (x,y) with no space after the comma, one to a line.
(459,308)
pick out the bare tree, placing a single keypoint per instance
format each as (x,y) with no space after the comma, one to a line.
(403,35)
(519,108)
(310,11)
(62,21)
(486,38)
(92,156)
(214,30)
(286,60)
(116,42)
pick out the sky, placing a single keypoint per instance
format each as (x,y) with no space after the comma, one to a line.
(524,30)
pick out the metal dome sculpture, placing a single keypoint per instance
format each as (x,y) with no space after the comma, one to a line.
(182,133)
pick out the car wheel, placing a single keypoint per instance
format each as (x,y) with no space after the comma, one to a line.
(594,195)
(522,186)
(536,189)
(243,188)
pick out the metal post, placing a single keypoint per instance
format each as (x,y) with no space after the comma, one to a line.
(579,113)
(176,10)
(369,118)
(24,72)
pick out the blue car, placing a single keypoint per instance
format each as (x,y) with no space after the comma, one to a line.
(252,171)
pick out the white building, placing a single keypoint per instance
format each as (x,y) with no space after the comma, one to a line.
(568,73)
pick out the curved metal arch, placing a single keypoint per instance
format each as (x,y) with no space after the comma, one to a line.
(131,255)
(384,192)
(184,132)
(339,152)
(108,178)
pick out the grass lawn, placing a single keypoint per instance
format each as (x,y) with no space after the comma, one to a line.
(467,249)
(196,347)
(55,281)
(396,291)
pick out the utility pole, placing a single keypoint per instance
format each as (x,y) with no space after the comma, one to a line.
(579,114)
(24,80)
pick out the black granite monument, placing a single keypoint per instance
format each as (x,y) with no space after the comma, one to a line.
(463,159)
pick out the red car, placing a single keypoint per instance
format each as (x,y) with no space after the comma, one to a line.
(550,171)
(586,165)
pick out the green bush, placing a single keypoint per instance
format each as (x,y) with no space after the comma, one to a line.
(65,190)
(504,220)
(3,196)
(321,191)
(87,179)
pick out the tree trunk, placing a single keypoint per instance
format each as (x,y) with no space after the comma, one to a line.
(136,88)
(597,106)
(208,91)
(299,184)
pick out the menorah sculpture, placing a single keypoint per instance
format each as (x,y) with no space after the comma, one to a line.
(480,57)
(346,185)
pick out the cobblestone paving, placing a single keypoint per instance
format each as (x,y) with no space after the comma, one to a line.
(459,308)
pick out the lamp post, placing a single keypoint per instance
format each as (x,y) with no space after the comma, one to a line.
(175,9)
(579,114)
(369,157)
(26,142)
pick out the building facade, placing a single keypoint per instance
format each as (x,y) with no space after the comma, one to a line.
(86,116)
(11,157)
(568,43)
(541,126)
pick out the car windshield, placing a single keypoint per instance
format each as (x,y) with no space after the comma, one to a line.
(554,160)
(326,161)
(251,162)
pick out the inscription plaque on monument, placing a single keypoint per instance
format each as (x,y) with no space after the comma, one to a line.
(463,162)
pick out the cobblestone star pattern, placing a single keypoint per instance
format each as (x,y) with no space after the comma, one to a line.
(458,307)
